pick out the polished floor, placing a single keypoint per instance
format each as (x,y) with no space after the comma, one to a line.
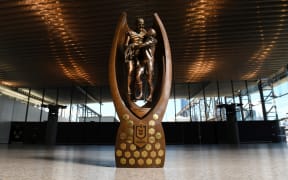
(195,162)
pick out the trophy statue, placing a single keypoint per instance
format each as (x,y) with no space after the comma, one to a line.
(140,69)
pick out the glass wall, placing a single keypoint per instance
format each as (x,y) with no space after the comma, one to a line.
(196,102)
(281,98)
(208,102)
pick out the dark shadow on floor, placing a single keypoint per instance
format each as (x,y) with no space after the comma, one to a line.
(86,161)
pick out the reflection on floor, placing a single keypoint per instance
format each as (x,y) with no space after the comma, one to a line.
(220,162)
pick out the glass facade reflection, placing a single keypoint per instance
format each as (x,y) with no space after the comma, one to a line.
(186,103)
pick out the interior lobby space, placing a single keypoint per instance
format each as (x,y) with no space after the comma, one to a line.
(217,71)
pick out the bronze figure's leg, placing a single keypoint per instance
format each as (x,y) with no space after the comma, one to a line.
(139,84)
(150,72)
(130,67)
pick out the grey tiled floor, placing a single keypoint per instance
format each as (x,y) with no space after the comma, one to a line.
(196,162)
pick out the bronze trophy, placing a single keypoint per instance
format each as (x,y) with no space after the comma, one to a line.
(140,70)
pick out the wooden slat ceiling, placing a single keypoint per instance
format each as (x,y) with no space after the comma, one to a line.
(48,43)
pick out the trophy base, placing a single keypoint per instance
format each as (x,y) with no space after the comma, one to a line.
(140,144)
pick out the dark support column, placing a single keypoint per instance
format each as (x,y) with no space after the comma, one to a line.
(82,107)
(100,104)
(77,112)
(57,96)
(71,102)
(205,104)
(189,97)
(27,106)
(249,100)
(51,129)
(218,92)
(241,106)
(199,124)
(219,102)
(232,124)
(262,100)
(85,107)
(199,128)
(42,102)
(200,112)
(232,88)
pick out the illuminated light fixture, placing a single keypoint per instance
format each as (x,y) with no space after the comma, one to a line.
(8,92)
(266,49)
(51,13)
(197,16)
(201,69)
(7,83)
(39,96)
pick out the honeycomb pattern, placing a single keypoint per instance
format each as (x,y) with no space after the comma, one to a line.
(131,155)
(145,156)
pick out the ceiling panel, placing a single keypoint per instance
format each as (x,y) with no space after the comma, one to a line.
(49,43)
